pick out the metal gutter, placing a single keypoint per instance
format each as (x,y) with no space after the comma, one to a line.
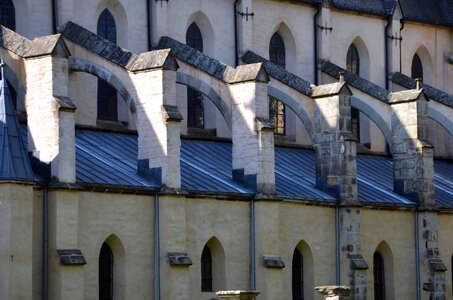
(417,256)
(156,247)
(236,42)
(148,24)
(337,245)
(252,245)
(45,244)
(54,17)
(386,37)
(315,35)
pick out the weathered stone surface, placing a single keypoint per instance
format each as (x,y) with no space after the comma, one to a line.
(237,295)
(334,292)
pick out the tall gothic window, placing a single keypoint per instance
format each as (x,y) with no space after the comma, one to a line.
(353,66)
(417,67)
(106,273)
(298,275)
(195,109)
(379,276)
(277,55)
(7,14)
(206,270)
(107,95)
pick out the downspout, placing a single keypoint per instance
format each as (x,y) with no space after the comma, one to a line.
(417,255)
(337,244)
(386,53)
(236,42)
(45,244)
(148,23)
(401,41)
(252,245)
(156,247)
(315,35)
(54,16)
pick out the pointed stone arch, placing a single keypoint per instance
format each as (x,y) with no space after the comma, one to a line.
(364,56)
(308,269)
(386,252)
(207,31)
(290,44)
(119,15)
(119,264)
(218,263)
(427,63)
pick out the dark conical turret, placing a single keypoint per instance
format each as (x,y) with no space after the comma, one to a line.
(14,162)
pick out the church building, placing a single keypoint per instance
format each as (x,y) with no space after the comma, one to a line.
(226,149)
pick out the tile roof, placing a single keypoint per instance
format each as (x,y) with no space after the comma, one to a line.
(14,161)
(374,7)
(436,12)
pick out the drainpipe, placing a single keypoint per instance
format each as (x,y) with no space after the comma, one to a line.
(236,43)
(252,245)
(401,41)
(417,255)
(148,23)
(337,244)
(156,247)
(386,53)
(54,17)
(315,35)
(45,244)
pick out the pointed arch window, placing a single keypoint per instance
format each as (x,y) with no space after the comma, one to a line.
(277,110)
(379,276)
(195,108)
(107,95)
(298,275)
(7,14)
(353,66)
(417,67)
(106,273)
(206,270)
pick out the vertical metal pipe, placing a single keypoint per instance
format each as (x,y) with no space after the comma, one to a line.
(337,245)
(54,17)
(401,42)
(236,42)
(315,35)
(45,244)
(148,23)
(252,245)
(417,255)
(156,246)
(386,53)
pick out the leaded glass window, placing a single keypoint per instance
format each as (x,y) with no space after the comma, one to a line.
(417,67)
(7,14)
(107,95)
(206,270)
(379,276)
(195,108)
(277,108)
(106,273)
(298,275)
(353,60)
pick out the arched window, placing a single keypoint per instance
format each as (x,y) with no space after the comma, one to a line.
(298,275)
(417,67)
(106,273)
(195,108)
(353,60)
(206,270)
(353,66)
(7,14)
(277,109)
(379,276)
(107,95)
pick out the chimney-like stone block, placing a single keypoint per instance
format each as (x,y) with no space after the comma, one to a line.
(159,126)
(50,115)
(334,144)
(413,165)
(253,136)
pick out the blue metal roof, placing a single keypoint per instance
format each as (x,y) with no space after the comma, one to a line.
(443,180)
(14,162)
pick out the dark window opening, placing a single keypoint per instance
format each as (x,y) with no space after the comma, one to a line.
(353,60)
(206,270)
(105,273)
(298,275)
(277,110)
(355,123)
(107,94)
(277,115)
(7,14)
(417,67)
(379,276)
(195,108)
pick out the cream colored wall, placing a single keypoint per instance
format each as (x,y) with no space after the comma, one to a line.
(446,249)
(397,230)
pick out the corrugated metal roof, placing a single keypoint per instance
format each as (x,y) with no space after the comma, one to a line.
(14,162)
